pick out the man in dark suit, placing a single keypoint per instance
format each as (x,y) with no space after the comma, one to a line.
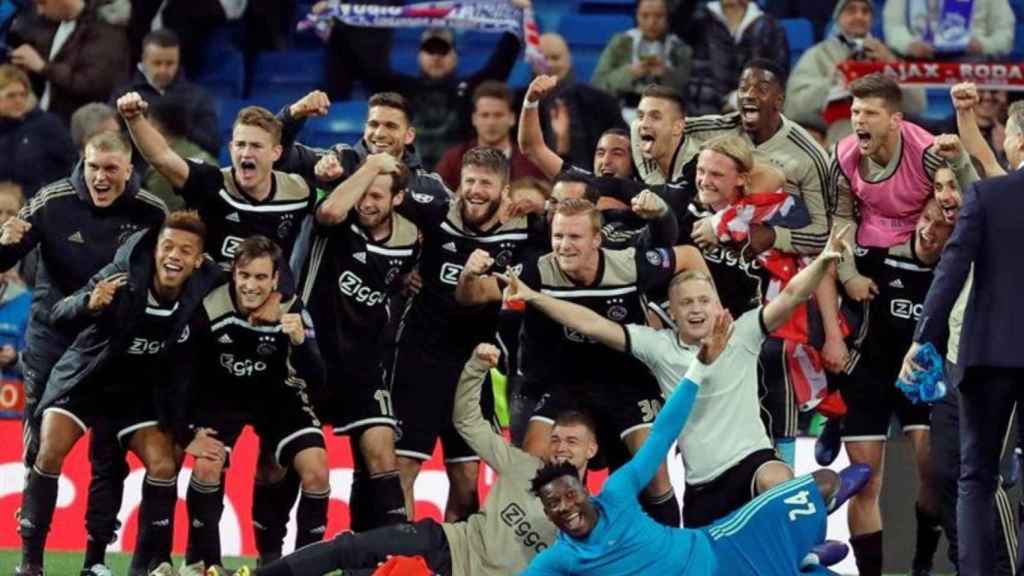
(990,350)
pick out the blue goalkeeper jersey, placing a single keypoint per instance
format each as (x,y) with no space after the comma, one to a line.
(625,540)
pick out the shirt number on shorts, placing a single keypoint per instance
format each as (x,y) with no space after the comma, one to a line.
(806,507)
(649,409)
(384,398)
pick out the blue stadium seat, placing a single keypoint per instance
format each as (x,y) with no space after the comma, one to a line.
(627,7)
(584,64)
(405,61)
(287,74)
(940,106)
(800,34)
(591,30)
(521,75)
(403,38)
(222,71)
(343,124)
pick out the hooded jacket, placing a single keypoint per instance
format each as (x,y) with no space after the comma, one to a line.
(75,239)
(103,337)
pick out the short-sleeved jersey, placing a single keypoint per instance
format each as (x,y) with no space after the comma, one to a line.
(433,317)
(348,281)
(892,315)
(725,426)
(231,216)
(550,350)
(239,361)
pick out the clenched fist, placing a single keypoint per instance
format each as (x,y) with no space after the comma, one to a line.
(132,106)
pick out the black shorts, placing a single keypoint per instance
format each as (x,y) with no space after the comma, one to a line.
(778,400)
(360,397)
(124,408)
(707,502)
(619,406)
(423,386)
(872,399)
(286,427)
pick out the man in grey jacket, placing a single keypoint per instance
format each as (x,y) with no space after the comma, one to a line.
(816,96)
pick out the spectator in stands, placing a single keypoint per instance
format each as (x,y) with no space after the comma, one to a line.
(35,147)
(643,55)
(75,56)
(819,12)
(169,118)
(910,24)
(440,99)
(725,35)
(494,117)
(159,75)
(90,120)
(816,94)
(193,21)
(575,114)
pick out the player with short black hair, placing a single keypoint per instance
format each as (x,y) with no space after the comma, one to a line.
(131,319)
(388,130)
(259,375)
(611,154)
(361,250)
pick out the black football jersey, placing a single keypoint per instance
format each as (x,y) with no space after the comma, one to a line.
(892,315)
(623,278)
(432,316)
(239,361)
(231,216)
(349,280)
(147,340)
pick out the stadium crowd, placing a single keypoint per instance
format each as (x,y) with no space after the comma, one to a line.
(713,242)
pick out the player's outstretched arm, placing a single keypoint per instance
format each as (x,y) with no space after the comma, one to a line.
(806,281)
(573,316)
(150,142)
(531,139)
(632,478)
(470,422)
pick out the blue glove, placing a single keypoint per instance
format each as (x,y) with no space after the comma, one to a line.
(926,385)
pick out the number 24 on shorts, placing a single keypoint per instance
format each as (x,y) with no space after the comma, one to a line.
(802,505)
